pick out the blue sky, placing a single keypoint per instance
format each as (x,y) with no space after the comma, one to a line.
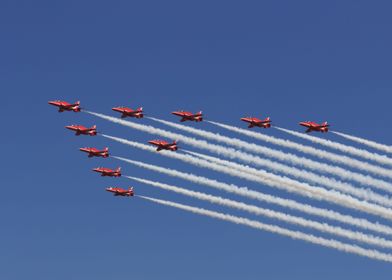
(290,60)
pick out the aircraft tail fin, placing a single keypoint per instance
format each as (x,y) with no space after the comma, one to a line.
(106,149)
(140,109)
(131,192)
(118,169)
(76,107)
(325,124)
(268,119)
(199,113)
(94,127)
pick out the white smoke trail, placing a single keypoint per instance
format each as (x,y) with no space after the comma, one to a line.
(320,153)
(322,227)
(245,192)
(365,194)
(382,159)
(231,153)
(291,158)
(331,243)
(275,181)
(372,144)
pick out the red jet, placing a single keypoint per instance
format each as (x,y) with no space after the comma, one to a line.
(312,126)
(94,152)
(65,106)
(120,192)
(108,172)
(80,129)
(188,116)
(266,123)
(128,112)
(163,145)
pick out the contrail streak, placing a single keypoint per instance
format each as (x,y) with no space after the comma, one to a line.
(367,195)
(382,159)
(275,181)
(331,243)
(323,227)
(231,153)
(245,192)
(369,143)
(282,156)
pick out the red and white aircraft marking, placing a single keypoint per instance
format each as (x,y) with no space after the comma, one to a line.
(312,126)
(163,145)
(108,172)
(266,123)
(121,192)
(65,106)
(94,152)
(188,116)
(128,112)
(80,129)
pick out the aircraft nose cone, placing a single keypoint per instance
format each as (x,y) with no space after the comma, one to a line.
(69,126)
(115,109)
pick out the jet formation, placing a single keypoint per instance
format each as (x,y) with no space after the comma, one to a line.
(159,144)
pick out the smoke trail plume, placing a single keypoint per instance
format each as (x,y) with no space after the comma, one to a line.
(281,156)
(231,153)
(323,227)
(319,153)
(245,192)
(279,182)
(365,194)
(369,143)
(331,243)
(381,159)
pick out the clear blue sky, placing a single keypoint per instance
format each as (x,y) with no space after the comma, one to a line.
(290,60)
